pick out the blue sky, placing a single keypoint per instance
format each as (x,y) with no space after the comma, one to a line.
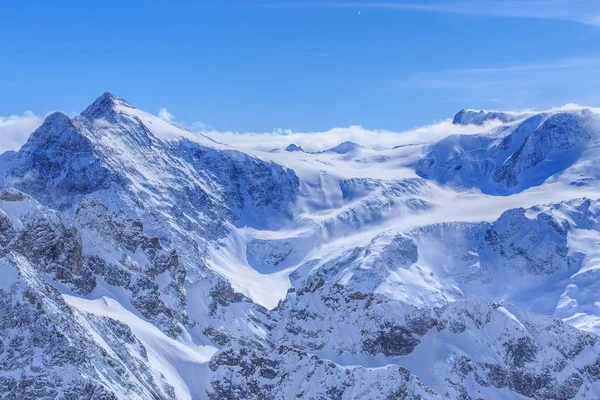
(300,65)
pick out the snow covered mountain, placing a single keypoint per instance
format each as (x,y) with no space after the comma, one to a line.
(517,156)
(141,260)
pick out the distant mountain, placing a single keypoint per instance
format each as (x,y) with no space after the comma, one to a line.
(139,260)
(517,155)
(474,117)
(293,147)
(345,147)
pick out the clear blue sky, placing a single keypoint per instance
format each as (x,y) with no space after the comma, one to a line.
(258,65)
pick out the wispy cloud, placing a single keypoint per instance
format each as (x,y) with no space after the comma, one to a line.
(550,65)
(165,115)
(373,139)
(196,126)
(508,86)
(482,77)
(15,129)
(581,11)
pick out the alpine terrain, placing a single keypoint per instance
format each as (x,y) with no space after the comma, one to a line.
(139,260)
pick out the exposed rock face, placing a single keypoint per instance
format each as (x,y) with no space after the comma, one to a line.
(543,249)
(561,135)
(250,187)
(152,274)
(55,247)
(44,238)
(47,352)
(514,350)
(365,268)
(537,245)
(289,373)
(525,354)
(57,163)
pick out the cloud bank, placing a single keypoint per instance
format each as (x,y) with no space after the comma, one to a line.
(319,141)
(373,139)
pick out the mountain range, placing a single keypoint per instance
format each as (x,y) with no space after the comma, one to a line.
(140,260)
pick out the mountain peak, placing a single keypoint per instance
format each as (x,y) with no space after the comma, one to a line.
(57,118)
(294,147)
(107,95)
(480,117)
(345,147)
(105,106)
(52,126)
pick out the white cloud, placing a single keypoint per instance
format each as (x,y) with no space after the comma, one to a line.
(165,115)
(15,129)
(318,141)
(103,123)
(196,126)
(373,139)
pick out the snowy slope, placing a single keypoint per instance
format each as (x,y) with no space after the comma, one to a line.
(462,268)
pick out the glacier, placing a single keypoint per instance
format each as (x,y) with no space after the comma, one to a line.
(141,260)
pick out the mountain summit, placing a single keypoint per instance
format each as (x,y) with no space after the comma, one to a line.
(105,106)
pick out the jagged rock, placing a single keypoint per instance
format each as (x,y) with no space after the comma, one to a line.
(47,351)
